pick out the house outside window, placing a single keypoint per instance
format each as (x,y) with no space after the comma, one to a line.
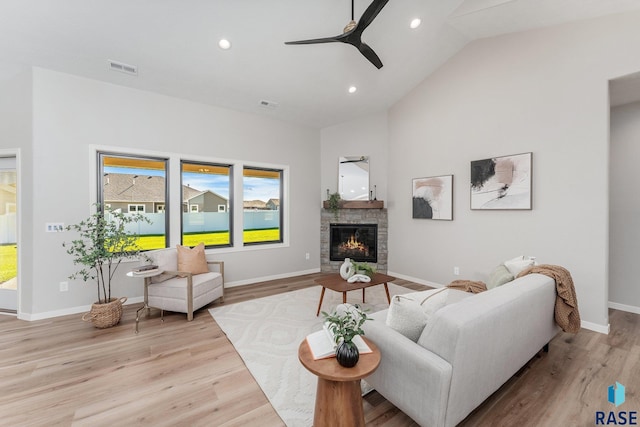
(160,208)
(130,184)
(206,187)
(262,191)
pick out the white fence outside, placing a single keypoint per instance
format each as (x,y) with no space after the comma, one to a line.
(207,222)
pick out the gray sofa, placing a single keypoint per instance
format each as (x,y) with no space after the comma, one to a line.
(467,350)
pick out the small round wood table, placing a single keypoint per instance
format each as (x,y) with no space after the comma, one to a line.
(338,396)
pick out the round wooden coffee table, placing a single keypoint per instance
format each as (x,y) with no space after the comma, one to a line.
(338,395)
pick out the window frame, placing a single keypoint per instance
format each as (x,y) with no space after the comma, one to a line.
(230,200)
(101,154)
(280,211)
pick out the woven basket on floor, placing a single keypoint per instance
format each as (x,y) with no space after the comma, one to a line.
(105,315)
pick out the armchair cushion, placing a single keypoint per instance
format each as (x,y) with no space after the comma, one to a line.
(192,260)
(166,260)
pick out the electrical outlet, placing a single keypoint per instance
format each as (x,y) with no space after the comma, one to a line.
(64,286)
(306,256)
(54,227)
(456,271)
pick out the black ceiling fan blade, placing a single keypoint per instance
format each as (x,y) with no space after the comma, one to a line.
(370,14)
(370,55)
(314,41)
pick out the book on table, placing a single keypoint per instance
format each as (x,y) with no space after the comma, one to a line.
(145,269)
(323,346)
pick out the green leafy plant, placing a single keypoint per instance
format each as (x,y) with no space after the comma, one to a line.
(346,323)
(103,243)
(333,202)
(368,269)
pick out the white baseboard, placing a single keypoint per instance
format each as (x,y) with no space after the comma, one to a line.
(624,307)
(596,327)
(267,278)
(70,310)
(416,280)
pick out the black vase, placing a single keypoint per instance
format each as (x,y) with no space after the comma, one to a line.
(347,354)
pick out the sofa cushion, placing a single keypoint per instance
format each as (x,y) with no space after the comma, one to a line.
(192,260)
(499,276)
(166,260)
(409,313)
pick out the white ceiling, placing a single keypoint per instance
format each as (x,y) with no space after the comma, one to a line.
(174,45)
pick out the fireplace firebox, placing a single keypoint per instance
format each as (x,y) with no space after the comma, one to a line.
(358,242)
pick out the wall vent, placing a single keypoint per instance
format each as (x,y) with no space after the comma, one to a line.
(123,68)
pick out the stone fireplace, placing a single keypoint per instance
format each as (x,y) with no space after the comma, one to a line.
(358,242)
(364,224)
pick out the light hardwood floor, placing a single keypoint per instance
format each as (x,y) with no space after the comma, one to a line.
(63,371)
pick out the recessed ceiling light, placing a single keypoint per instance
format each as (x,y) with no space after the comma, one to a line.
(415,23)
(224,44)
(352,89)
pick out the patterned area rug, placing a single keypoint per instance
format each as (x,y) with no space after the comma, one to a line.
(267,332)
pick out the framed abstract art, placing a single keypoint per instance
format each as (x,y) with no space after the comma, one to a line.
(433,197)
(502,183)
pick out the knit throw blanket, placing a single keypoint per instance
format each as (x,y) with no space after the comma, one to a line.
(567,315)
(468,286)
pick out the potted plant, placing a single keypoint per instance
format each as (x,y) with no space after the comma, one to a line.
(333,203)
(102,244)
(344,324)
(363,268)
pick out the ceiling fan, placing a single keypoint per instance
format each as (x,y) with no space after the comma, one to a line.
(353,32)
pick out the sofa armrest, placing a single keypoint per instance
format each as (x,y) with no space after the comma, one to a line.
(411,377)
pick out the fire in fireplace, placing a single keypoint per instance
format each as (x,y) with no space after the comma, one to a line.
(358,242)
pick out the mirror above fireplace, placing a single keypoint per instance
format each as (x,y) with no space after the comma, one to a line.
(353,177)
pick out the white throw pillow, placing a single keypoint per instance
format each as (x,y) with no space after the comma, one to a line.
(517,264)
(406,317)
(166,260)
(408,314)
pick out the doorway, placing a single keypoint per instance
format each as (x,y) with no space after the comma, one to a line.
(8,235)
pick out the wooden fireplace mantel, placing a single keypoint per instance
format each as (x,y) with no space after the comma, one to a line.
(357,204)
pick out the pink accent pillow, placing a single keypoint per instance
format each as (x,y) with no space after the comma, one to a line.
(192,260)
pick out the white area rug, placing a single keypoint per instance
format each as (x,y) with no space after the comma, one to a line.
(267,332)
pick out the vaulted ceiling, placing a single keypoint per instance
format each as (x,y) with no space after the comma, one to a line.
(174,45)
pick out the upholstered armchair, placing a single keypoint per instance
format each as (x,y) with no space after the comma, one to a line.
(188,280)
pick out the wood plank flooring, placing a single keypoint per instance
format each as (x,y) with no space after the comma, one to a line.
(64,372)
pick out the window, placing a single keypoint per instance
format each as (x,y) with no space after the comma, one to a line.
(262,202)
(206,187)
(160,208)
(130,184)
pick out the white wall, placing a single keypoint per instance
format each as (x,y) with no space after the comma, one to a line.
(366,136)
(73,114)
(543,91)
(624,268)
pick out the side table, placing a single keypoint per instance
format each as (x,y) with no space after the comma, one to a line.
(147,281)
(338,395)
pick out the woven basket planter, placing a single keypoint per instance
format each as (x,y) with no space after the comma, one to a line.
(105,315)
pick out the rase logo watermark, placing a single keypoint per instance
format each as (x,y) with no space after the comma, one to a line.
(615,396)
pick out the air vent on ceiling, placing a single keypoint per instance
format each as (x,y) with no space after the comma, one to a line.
(123,68)
(268,104)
